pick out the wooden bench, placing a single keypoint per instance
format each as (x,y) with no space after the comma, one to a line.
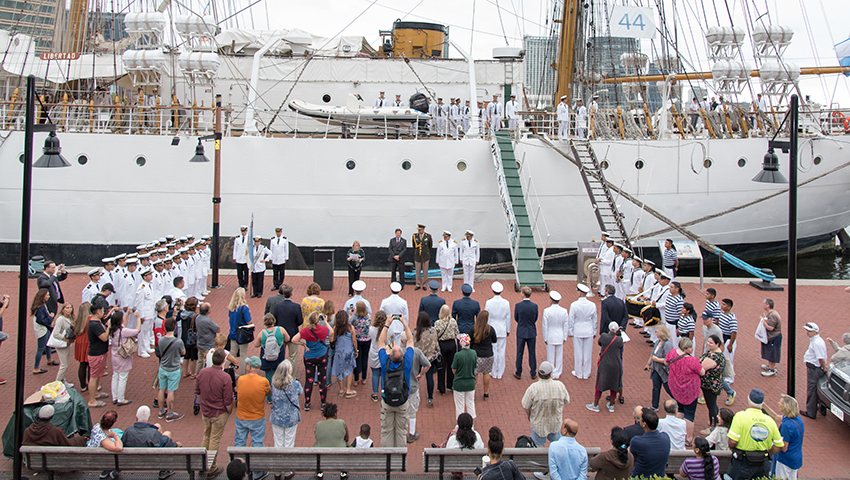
(314,460)
(83,459)
(677,457)
(441,460)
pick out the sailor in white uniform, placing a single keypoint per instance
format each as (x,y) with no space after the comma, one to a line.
(240,255)
(145,304)
(624,277)
(645,287)
(495,114)
(447,258)
(440,113)
(200,280)
(258,270)
(555,319)
(188,271)
(168,268)
(454,117)
(432,112)
(398,102)
(481,120)
(127,297)
(158,278)
(581,119)
(594,105)
(466,117)
(93,287)
(381,101)
(563,119)
(470,254)
(636,278)
(395,305)
(511,109)
(107,277)
(606,262)
(581,325)
(280,254)
(500,319)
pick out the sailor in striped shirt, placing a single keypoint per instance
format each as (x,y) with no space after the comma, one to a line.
(687,321)
(671,259)
(712,306)
(672,309)
(728,323)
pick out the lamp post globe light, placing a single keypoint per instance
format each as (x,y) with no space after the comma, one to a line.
(52,158)
(770,174)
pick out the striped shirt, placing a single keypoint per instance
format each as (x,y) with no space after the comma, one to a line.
(673,308)
(546,399)
(670,257)
(728,323)
(686,325)
(712,309)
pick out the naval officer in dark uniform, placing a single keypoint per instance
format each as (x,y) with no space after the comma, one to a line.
(466,310)
(422,244)
(398,246)
(431,304)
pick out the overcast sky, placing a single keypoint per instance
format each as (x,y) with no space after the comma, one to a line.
(497,22)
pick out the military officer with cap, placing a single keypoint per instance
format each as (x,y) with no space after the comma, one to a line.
(636,278)
(447,258)
(470,254)
(158,279)
(623,282)
(395,305)
(511,109)
(258,270)
(499,310)
(606,263)
(127,290)
(107,277)
(431,304)
(495,114)
(167,266)
(240,256)
(563,119)
(93,287)
(555,319)
(206,251)
(581,119)
(145,304)
(422,244)
(280,254)
(582,323)
(358,288)
(188,271)
(465,310)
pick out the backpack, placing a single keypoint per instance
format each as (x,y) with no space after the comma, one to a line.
(524,441)
(271,349)
(396,389)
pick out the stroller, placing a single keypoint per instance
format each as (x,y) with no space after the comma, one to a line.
(230,370)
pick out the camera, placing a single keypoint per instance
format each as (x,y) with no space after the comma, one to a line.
(396,317)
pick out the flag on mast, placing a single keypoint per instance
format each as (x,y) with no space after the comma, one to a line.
(842,51)
(249,251)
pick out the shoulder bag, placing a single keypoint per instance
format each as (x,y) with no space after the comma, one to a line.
(128,347)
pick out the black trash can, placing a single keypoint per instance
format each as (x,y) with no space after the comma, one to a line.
(408,267)
(323,268)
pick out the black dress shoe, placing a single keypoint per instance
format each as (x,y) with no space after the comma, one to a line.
(649,341)
(808,416)
(417,287)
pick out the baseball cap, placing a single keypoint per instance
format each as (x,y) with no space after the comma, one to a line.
(254,361)
(756,396)
(545,368)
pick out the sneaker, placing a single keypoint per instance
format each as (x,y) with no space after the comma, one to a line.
(730,399)
(156,404)
(144,354)
(214,471)
(2,381)
(173,416)
(610,408)
(701,401)
(592,407)
(764,367)
(769,373)
(262,476)
(162,413)
(541,476)
(163,474)
(412,438)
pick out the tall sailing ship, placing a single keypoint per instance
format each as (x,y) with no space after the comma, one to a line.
(132,88)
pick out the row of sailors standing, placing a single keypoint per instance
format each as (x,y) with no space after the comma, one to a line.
(134,282)
(563,116)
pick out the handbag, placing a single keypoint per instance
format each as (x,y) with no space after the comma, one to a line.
(761,332)
(54,342)
(128,347)
(244,332)
(728,369)
(191,332)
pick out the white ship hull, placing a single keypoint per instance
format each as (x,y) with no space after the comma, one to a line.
(303,184)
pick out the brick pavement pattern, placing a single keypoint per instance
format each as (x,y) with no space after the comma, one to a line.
(825,305)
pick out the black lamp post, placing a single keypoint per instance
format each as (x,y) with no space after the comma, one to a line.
(199,157)
(51,159)
(770,174)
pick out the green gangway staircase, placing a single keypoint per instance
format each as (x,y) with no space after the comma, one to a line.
(527,266)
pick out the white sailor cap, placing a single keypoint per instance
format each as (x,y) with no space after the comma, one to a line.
(395,287)
(132,255)
(627,249)
(563,97)
(446,232)
(470,232)
(120,256)
(161,250)
(664,275)
(583,288)
(141,247)
(108,260)
(358,286)
(144,255)
(170,245)
(169,238)
(151,245)
(132,261)
(183,250)
(205,237)
(162,240)
(190,236)
(94,271)
(168,258)
(555,296)
(156,262)
(145,271)
(606,234)
(183,239)
(619,245)
(648,262)
(497,287)
(243,227)
(637,259)
(278,229)
(257,237)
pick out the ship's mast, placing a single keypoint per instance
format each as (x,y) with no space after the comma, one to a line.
(566,49)
(75,31)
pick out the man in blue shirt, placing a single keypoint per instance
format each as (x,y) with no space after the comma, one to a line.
(652,449)
(431,304)
(465,310)
(394,419)
(567,459)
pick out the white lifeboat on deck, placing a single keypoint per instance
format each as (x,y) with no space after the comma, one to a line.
(355,112)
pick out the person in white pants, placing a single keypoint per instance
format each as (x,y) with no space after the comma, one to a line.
(447,258)
(145,304)
(464,401)
(563,119)
(120,366)
(500,319)
(605,260)
(582,323)
(623,283)
(555,319)
(470,254)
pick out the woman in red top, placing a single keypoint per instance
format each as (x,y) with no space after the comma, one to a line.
(313,336)
(685,382)
(81,344)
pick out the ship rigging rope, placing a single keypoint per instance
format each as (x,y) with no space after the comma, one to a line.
(285,99)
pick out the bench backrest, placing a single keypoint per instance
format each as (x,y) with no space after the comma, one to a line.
(677,457)
(322,459)
(457,460)
(93,459)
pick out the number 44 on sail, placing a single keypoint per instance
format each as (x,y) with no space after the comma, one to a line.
(633,22)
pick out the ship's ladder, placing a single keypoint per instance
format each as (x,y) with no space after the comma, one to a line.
(604,206)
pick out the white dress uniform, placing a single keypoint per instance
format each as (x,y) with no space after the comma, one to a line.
(280,254)
(465,120)
(447,258)
(89,292)
(433,112)
(582,325)
(395,305)
(177,294)
(660,294)
(511,109)
(500,319)
(648,283)
(581,121)
(636,280)
(455,119)
(470,254)
(382,102)
(563,121)
(555,320)
(495,115)
(625,284)
(158,283)
(397,103)
(128,297)
(606,262)
(240,256)
(200,280)
(146,304)
(119,275)
(107,277)
(188,275)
